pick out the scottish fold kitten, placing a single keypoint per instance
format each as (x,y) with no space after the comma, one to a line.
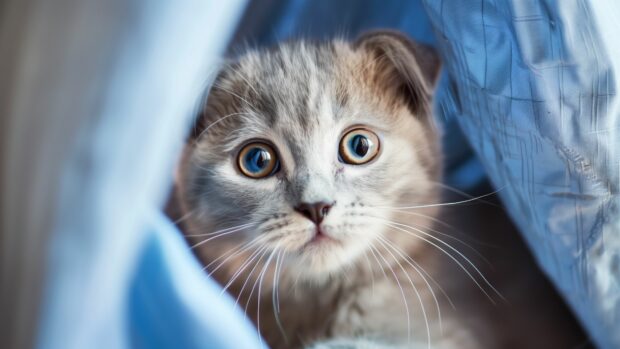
(311,190)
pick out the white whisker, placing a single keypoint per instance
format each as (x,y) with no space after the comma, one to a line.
(260,251)
(220,87)
(473,249)
(241,249)
(260,286)
(379,263)
(372,272)
(423,273)
(402,292)
(279,271)
(215,123)
(185,216)
(244,78)
(460,254)
(229,252)
(220,235)
(221,230)
(275,299)
(394,225)
(385,243)
(443,203)
(460,192)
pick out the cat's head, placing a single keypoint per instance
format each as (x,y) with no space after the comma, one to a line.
(308,150)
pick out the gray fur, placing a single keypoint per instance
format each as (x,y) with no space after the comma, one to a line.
(301,97)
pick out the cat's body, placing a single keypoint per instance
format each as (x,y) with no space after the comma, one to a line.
(310,191)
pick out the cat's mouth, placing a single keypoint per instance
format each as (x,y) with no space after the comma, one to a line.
(321,237)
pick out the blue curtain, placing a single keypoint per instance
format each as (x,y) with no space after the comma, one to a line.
(535,88)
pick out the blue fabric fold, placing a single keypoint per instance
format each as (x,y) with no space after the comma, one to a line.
(171,304)
(534,88)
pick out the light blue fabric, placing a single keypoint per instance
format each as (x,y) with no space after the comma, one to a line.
(535,87)
(172,304)
(121,80)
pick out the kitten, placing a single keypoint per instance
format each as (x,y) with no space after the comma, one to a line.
(310,191)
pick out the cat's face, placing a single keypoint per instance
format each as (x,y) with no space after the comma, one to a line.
(303,152)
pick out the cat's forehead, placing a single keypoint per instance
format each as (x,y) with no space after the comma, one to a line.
(297,90)
(298,84)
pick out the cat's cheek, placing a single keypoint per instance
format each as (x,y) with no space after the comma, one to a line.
(352,175)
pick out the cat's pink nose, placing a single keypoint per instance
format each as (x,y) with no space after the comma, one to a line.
(315,211)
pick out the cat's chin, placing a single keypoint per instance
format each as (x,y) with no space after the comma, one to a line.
(323,258)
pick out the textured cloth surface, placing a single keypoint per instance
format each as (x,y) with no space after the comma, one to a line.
(534,86)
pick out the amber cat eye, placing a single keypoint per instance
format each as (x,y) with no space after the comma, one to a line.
(257,160)
(359,146)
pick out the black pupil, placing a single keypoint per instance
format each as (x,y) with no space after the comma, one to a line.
(258,159)
(360,145)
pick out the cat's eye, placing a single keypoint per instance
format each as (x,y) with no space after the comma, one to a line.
(258,160)
(358,146)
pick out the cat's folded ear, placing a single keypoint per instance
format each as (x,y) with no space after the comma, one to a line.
(411,68)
